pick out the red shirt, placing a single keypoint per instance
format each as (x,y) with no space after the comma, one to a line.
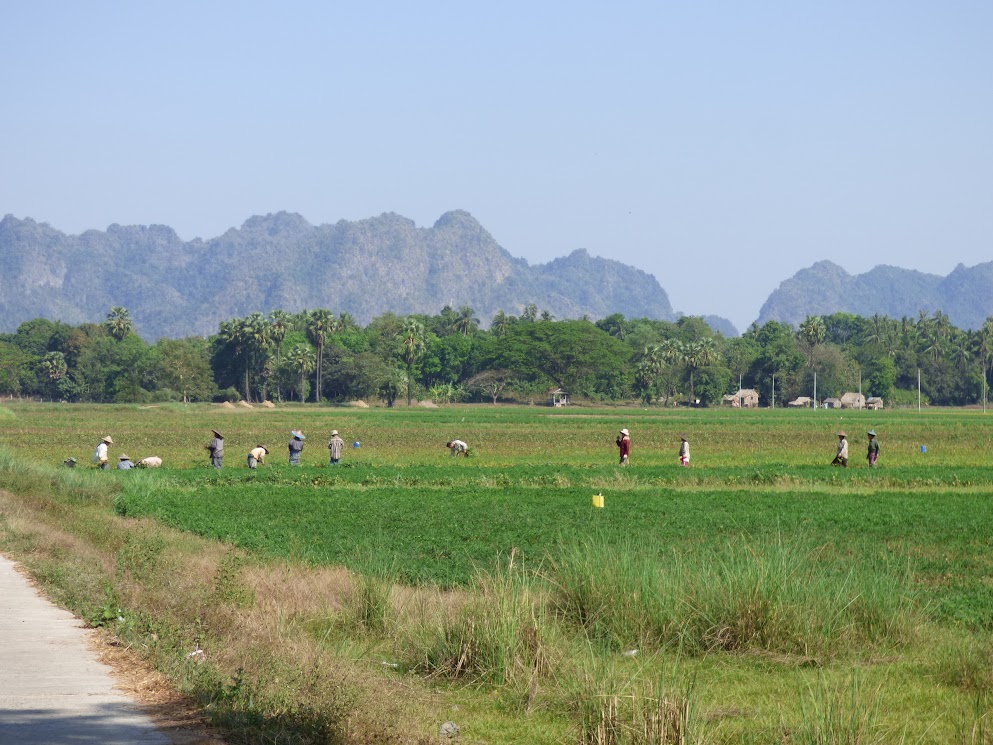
(625,446)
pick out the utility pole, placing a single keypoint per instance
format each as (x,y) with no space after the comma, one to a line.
(774,390)
(815,389)
(918,389)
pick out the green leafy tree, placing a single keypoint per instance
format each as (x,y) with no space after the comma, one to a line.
(183,365)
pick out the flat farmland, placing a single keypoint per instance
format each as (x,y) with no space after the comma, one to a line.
(779,585)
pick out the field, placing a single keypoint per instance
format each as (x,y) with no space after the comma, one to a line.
(769,596)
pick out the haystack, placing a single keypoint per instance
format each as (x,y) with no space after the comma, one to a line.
(245,405)
(228,405)
(268,405)
(359,404)
(427,404)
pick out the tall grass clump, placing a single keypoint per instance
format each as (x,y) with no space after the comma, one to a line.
(964,661)
(976,728)
(838,716)
(771,595)
(498,636)
(617,711)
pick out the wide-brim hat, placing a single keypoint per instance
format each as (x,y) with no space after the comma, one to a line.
(871,433)
(842,434)
(683,437)
(297,434)
(123,456)
(108,439)
(334,432)
(71,460)
(217,433)
(625,432)
(264,448)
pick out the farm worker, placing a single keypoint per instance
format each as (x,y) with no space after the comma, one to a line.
(841,459)
(216,448)
(335,446)
(152,461)
(124,463)
(873,454)
(296,447)
(623,443)
(257,455)
(684,451)
(458,447)
(100,454)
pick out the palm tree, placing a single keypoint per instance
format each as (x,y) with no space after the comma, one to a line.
(962,351)
(695,354)
(259,340)
(302,360)
(813,331)
(119,322)
(54,365)
(649,372)
(233,334)
(412,343)
(465,321)
(501,323)
(320,323)
(279,323)
(530,312)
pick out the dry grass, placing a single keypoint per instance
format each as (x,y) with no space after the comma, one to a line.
(179,592)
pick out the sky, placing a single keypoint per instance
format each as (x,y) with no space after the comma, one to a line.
(720,146)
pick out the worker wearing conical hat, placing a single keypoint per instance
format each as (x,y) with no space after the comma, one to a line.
(623,443)
(100,456)
(841,459)
(336,446)
(216,449)
(873,454)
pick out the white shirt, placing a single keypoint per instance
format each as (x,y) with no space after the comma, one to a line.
(101,454)
(843,448)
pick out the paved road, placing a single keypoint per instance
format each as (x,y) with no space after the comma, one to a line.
(52,688)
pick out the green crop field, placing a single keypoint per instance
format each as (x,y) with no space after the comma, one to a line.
(756,559)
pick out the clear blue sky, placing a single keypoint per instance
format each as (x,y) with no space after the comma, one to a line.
(720,146)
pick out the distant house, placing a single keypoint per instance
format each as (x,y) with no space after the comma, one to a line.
(746,398)
(853,401)
(559,397)
(874,403)
(832,403)
(801,402)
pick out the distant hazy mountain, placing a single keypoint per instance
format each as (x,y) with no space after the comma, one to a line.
(386,263)
(966,294)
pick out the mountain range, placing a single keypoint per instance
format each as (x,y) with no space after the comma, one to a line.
(965,295)
(367,267)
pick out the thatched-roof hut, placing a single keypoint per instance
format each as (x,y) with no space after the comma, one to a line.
(853,401)
(746,398)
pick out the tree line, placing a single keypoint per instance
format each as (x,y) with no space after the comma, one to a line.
(317,355)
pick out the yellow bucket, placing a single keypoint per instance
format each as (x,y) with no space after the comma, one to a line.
(598,500)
